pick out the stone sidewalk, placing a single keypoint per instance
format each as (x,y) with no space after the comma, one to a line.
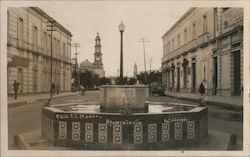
(233,102)
(26,99)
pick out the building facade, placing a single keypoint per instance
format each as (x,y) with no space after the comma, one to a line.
(97,65)
(205,46)
(29,51)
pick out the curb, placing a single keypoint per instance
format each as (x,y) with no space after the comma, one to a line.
(223,105)
(25,102)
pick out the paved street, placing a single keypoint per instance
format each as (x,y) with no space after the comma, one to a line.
(26,118)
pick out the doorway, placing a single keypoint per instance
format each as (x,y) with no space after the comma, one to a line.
(20,79)
(193,76)
(178,79)
(237,80)
(215,77)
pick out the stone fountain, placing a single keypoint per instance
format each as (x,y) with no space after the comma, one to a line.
(124,120)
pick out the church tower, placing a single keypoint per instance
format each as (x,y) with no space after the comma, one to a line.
(97,64)
(135,71)
(98,54)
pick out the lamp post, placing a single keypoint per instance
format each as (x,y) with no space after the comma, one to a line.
(121,29)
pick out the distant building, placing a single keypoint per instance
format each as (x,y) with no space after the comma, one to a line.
(135,71)
(87,65)
(205,45)
(29,51)
(97,65)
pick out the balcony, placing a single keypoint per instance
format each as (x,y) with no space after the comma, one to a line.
(184,48)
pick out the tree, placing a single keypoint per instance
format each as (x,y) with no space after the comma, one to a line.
(88,78)
(153,76)
(132,81)
(75,84)
(104,81)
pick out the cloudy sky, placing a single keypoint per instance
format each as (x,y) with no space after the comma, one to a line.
(142,19)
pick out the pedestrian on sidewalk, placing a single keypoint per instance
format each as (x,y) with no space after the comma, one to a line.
(53,88)
(201,89)
(57,89)
(16,87)
(82,88)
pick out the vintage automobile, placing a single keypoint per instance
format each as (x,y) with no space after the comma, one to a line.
(156,88)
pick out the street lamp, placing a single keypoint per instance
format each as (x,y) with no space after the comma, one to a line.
(121,29)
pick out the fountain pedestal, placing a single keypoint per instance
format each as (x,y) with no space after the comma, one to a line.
(114,98)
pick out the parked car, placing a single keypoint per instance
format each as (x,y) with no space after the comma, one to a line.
(156,88)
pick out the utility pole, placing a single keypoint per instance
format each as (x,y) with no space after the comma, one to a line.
(76,45)
(150,65)
(51,28)
(143,40)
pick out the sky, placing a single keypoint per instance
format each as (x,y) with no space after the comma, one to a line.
(149,20)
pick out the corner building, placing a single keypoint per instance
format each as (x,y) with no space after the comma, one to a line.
(29,51)
(205,45)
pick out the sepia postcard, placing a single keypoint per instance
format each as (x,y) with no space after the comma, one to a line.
(124,78)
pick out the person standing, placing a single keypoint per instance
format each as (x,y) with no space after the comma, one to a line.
(53,87)
(201,89)
(16,87)
(82,88)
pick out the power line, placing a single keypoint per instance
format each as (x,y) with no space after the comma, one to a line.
(76,45)
(143,40)
(51,28)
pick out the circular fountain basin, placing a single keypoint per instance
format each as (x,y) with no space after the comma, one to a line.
(163,126)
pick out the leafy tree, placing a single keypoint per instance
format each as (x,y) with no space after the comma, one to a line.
(104,81)
(124,81)
(132,81)
(75,84)
(153,76)
(88,78)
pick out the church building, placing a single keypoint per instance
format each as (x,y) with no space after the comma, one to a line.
(97,65)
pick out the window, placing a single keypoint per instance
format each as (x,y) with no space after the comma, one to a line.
(172,44)
(225,24)
(45,42)
(58,47)
(169,46)
(178,40)
(49,42)
(164,50)
(64,49)
(204,23)
(54,46)
(20,31)
(34,37)
(194,31)
(185,36)
(204,73)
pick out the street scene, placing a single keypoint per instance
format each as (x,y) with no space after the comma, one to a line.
(108,81)
(20,123)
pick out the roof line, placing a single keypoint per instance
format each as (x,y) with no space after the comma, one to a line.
(44,14)
(181,19)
